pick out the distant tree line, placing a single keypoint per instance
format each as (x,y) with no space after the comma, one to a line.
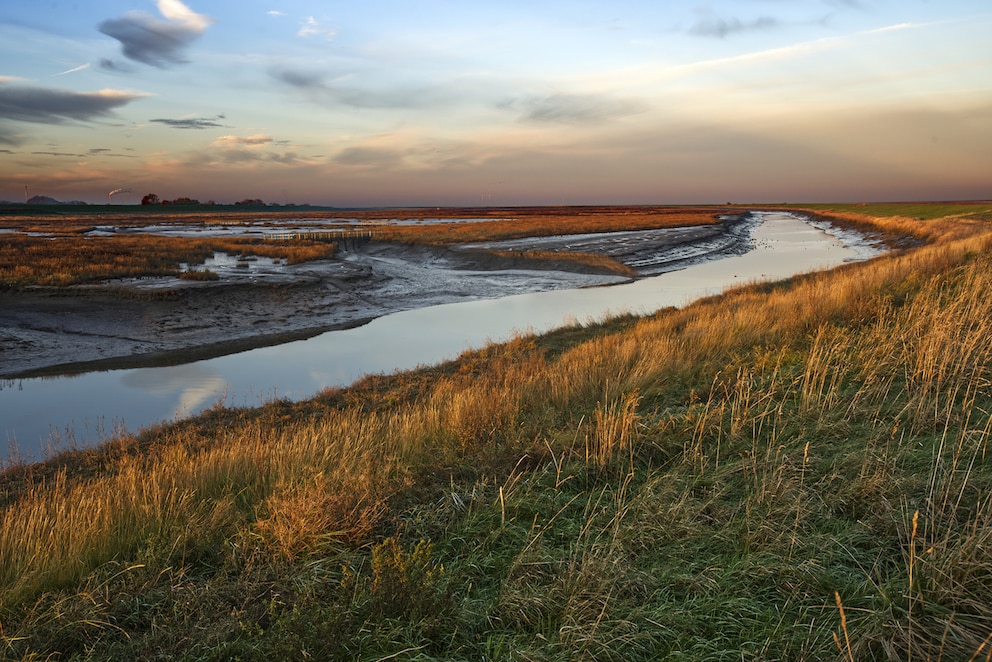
(153,199)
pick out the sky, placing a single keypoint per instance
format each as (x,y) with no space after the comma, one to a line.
(478,102)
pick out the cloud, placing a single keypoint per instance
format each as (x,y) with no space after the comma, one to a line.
(49,106)
(154,41)
(193,122)
(226,141)
(106,152)
(721,28)
(333,91)
(312,28)
(75,156)
(283,158)
(275,12)
(299,79)
(897,27)
(114,66)
(369,156)
(236,154)
(8,138)
(242,152)
(73,70)
(574,108)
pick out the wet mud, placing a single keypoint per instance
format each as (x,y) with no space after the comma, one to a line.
(164,321)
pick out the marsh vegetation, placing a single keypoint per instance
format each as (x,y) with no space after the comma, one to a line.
(63,250)
(787,471)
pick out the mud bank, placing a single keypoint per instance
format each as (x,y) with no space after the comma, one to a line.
(166,321)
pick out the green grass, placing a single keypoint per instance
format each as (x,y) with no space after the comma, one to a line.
(714,483)
(922,211)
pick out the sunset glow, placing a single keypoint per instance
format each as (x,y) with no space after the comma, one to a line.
(437,103)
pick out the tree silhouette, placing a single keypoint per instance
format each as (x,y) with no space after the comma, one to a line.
(150,199)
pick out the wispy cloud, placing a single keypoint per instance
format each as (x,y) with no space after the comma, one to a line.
(378,157)
(227,141)
(193,122)
(574,108)
(7,137)
(340,90)
(898,27)
(73,70)
(241,155)
(114,66)
(298,78)
(275,12)
(107,152)
(723,27)
(51,106)
(158,42)
(311,27)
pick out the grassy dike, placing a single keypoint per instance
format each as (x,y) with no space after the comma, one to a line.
(787,471)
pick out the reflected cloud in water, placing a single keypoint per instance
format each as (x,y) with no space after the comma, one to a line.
(197,386)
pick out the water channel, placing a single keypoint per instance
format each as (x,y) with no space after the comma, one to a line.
(40,416)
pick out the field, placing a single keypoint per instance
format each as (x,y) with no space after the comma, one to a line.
(797,470)
(62,249)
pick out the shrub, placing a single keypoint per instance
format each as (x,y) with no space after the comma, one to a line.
(199,274)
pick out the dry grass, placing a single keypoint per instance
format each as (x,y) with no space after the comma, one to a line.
(64,255)
(70,259)
(539,223)
(600,263)
(789,471)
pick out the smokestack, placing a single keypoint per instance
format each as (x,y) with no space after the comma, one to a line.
(115,192)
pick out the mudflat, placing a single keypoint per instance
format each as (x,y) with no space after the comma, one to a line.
(139,322)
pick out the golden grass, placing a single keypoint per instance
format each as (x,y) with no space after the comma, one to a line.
(539,224)
(836,416)
(594,261)
(70,259)
(65,256)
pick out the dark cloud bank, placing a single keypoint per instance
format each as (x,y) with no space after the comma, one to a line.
(51,106)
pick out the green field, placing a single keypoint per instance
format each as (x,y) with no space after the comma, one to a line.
(923,211)
(797,470)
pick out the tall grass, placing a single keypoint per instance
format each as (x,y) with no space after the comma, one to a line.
(788,471)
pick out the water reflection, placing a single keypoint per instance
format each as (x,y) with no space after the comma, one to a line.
(34,411)
(198,386)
